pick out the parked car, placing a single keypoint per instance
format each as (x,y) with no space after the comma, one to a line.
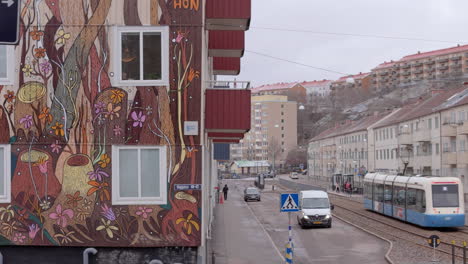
(270,174)
(294,175)
(252,193)
(315,209)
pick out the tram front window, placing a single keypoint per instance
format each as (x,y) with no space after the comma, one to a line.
(445,195)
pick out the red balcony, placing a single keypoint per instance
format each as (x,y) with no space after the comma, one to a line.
(227,108)
(226,66)
(229,136)
(228,141)
(228,14)
(225,43)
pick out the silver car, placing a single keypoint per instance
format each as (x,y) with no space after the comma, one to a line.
(252,193)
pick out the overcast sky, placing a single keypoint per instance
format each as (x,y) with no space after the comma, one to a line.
(445,20)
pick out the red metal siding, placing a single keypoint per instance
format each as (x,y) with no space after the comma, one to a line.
(223,64)
(233,141)
(226,40)
(227,110)
(226,135)
(230,9)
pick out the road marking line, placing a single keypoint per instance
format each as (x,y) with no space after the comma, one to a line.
(264,230)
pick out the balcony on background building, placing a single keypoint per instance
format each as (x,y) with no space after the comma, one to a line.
(462,158)
(227,107)
(226,66)
(228,14)
(448,129)
(462,129)
(449,158)
(422,135)
(405,138)
(226,43)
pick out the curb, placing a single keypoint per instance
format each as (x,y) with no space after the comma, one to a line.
(387,255)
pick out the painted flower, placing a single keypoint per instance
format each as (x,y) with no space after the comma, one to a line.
(104,160)
(64,237)
(87,204)
(58,129)
(99,107)
(82,213)
(39,53)
(61,215)
(121,211)
(74,199)
(56,147)
(180,36)
(98,174)
(46,115)
(36,34)
(33,229)
(45,67)
(188,223)
(19,238)
(45,205)
(6,213)
(193,74)
(27,70)
(117,130)
(62,37)
(106,225)
(26,121)
(9,228)
(42,164)
(117,96)
(22,214)
(111,111)
(107,212)
(143,211)
(104,194)
(138,119)
(9,96)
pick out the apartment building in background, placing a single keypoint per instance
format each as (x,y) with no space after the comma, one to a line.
(317,88)
(294,91)
(443,64)
(361,82)
(426,136)
(273,130)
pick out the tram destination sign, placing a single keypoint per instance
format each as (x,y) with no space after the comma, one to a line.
(9,21)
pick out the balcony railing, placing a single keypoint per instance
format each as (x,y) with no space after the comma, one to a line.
(449,130)
(462,128)
(228,85)
(405,138)
(449,158)
(462,158)
(422,135)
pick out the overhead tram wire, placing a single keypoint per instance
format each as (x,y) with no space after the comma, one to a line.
(295,62)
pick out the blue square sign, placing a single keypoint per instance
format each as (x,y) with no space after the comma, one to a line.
(289,202)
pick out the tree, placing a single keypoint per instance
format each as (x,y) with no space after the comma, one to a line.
(296,157)
(274,149)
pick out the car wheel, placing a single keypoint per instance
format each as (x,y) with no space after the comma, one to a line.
(329,225)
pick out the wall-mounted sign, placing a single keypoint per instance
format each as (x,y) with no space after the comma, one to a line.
(191,128)
(9,21)
(186,187)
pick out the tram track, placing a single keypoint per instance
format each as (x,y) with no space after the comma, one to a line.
(396,229)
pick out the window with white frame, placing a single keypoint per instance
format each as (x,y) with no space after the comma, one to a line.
(5,177)
(6,65)
(139,175)
(142,56)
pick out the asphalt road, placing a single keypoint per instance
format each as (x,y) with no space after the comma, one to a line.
(341,244)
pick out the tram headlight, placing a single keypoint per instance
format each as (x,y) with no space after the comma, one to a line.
(327,216)
(304,216)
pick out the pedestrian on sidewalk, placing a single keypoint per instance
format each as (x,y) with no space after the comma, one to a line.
(225,191)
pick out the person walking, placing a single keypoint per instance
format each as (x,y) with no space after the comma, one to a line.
(225,191)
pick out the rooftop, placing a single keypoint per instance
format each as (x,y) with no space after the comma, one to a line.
(439,52)
(274,86)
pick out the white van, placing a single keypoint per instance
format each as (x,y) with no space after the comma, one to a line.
(315,209)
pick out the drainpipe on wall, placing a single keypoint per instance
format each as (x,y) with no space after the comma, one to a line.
(85,255)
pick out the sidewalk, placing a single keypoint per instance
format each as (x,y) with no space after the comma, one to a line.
(238,238)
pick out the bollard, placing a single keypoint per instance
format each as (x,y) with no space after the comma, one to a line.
(464,252)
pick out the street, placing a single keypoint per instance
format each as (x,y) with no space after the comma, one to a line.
(340,244)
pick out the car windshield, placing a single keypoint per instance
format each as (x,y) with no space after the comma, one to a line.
(251,191)
(315,203)
(445,195)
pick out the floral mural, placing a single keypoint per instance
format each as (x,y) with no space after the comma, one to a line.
(63,115)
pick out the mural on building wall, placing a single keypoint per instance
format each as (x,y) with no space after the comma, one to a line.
(64,115)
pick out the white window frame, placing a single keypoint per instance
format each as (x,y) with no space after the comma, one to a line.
(116,199)
(10,56)
(164,31)
(6,198)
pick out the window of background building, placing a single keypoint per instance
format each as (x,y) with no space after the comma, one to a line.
(429,123)
(437,150)
(140,175)
(5,173)
(436,122)
(143,56)
(6,65)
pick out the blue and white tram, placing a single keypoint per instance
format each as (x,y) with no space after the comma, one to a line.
(424,201)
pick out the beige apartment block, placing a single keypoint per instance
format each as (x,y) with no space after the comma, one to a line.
(273,132)
(443,64)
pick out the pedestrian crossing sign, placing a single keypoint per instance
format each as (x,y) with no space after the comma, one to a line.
(289,202)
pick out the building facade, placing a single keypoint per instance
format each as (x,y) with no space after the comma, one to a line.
(317,88)
(104,140)
(273,133)
(294,91)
